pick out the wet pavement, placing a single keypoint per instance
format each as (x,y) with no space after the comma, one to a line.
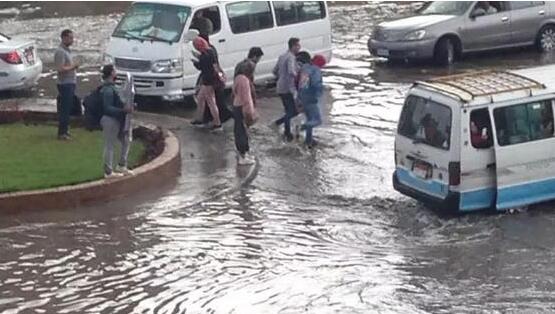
(303,232)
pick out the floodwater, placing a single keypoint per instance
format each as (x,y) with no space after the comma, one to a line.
(319,232)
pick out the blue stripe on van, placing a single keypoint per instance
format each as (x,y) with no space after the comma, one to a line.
(431,187)
(526,194)
(475,200)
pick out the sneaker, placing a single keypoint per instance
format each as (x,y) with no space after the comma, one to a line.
(197,123)
(124,170)
(245,160)
(64,137)
(113,175)
(216,128)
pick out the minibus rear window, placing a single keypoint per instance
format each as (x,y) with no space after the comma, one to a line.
(426,121)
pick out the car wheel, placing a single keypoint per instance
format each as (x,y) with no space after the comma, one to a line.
(546,38)
(445,52)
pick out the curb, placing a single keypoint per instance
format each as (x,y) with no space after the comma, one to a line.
(157,172)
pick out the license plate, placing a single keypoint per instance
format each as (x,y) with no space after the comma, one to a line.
(422,170)
(383,52)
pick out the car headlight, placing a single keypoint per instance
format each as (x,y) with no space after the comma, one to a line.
(416,35)
(167,66)
(107,59)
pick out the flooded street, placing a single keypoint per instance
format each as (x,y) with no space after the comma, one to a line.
(319,232)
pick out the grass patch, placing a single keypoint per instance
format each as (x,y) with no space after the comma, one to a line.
(32,158)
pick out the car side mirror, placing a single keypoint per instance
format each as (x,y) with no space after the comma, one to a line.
(190,35)
(477,13)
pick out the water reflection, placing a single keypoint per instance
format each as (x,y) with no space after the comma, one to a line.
(315,232)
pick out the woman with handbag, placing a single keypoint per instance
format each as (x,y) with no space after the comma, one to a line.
(210,79)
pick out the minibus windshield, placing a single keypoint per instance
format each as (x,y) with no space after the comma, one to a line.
(153,21)
(426,121)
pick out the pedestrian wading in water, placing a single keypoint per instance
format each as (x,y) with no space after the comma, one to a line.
(310,90)
(286,70)
(244,111)
(209,81)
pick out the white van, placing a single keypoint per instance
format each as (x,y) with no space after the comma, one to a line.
(479,140)
(161,64)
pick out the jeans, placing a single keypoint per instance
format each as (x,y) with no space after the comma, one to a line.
(66,92)
(225,113)
(240,131)
(313,119)
(290,112)
(112,131)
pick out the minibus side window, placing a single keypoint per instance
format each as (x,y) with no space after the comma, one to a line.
(426,121)
(480,129)
(291,12)
(524,123)
(212,14)
(249,16)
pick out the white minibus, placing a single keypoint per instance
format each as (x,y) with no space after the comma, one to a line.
(478,140)
(152,40)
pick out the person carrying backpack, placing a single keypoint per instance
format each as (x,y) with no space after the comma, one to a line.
(113,124)
(310,93)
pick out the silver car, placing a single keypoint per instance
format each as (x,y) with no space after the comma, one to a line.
(444,30)
(20,66)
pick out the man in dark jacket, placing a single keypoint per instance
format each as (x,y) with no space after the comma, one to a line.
(112,122)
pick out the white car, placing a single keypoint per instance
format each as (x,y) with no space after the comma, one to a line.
(20,66)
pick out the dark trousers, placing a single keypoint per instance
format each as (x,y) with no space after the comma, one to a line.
(240,131)
(66,92)
(225,113)
(290,112)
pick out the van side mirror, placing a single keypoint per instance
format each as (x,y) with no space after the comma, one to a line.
(190,35)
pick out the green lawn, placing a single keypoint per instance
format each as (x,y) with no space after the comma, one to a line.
(32,158)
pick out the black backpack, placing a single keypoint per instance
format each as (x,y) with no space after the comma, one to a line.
(93,109)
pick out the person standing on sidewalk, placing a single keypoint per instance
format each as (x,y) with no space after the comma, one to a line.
(286,70)
(67,80)
(113,124)
(311,89)
(208,80)
(244,112)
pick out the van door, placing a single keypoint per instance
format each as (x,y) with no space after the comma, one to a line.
(423,150)
(524,153)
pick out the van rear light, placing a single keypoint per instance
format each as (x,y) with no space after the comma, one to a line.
(11,57)
(454,173)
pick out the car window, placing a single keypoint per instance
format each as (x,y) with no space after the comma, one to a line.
(249,16)
(291,12)
(517,5)
(489,7)
(524,123)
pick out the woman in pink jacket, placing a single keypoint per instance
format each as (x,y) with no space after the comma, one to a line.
(244,112)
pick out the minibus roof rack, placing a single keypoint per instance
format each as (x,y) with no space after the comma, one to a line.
(470,85)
